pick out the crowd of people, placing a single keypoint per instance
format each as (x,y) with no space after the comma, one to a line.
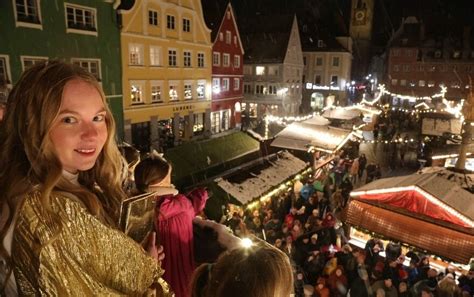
(304,223)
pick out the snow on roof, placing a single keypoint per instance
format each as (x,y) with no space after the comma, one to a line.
(283,168)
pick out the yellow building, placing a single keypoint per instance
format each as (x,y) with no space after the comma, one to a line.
(166,60)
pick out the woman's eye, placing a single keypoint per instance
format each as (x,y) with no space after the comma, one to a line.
(99,118)
(69,120)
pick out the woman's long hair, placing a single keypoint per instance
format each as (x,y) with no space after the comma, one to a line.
(28,161)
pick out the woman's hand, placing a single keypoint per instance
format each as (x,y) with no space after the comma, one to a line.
(153,250)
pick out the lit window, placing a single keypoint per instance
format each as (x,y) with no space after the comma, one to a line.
(421,83)
(201,89)
(172,58)
(226,60)
(403,82)
(153,17)
(135,53)
(92,66)
(236,84)
(188,91)
(155,56)
(225,84)
(27,11)
(260,70)
(431,84)
(216,85)
(216,59)
(187,59)
(136,90)
(170,22)
(198,126)
(4,79)
(200,58)
(236,61)
(394,82)
(28,62)
(173,91)
(156,93)
(81,18)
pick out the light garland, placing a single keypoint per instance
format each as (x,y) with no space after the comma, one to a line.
(400,140)
(384,91)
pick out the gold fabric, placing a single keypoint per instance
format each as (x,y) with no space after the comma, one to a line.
(74,254)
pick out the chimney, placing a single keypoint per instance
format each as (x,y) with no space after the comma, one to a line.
(466,37)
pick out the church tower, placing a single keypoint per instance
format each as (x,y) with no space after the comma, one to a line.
(362,12)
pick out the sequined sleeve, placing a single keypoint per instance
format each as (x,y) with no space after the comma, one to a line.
(76,255)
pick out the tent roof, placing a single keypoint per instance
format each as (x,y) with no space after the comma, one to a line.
(260,183)
(444,191)
(341,114)
(299,135)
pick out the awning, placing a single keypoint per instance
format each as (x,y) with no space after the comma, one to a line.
(302,135)
(442,241)
(423,194)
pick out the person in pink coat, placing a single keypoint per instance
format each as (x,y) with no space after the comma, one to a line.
(174,220)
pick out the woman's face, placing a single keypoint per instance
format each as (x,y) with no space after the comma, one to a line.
(79,132)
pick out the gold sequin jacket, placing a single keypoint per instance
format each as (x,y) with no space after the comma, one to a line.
(79,256)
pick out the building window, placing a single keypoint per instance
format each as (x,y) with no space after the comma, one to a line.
(228,37)
(225,84)
(247,70)
(186,25)
(136,92)
(431,84)
(273,70)
(247,89)
(403,82)
(236,61)
(320,43)
(201,89)
(28,62)
(215,121)
(394,82)
(216,88)
(236,84)
(200,58)
(170,22)
(259,89)
(421,83)
(187,59)
(335,61)
(221,36)
(260,70)
(396,52)
(27,11)
(155,55)
(235,40)
(334,79)
(156,93)
(153,17)
(408,52)
(173,91)
(225,60)
(188,91)
(4,79)
(198,126)
(135,54)
(319,61)
(216,59)
(172,58)
(396,68)
(406,68)
(81,18)
(317,79)
(92,66)
(272,89)
(421,68)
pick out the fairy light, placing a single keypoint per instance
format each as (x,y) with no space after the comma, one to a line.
(420,191)
(384,91)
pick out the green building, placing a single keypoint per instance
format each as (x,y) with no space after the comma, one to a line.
(85,32)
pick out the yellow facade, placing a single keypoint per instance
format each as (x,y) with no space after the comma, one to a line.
(166,60)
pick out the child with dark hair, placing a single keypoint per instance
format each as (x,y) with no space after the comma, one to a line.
(174,220)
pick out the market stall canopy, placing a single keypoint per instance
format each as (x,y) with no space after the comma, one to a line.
(299,136)
(318,120)
(450,151)
(280,170)
(442,241)
(426,196)
(341,114)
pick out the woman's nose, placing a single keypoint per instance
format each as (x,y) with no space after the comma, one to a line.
(89,130)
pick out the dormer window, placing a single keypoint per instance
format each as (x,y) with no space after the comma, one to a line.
(320,43)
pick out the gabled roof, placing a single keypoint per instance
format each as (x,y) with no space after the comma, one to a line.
(214,16)
(432,190)
(311,36)
(265,38)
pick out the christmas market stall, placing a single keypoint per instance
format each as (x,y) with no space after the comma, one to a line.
(426,211)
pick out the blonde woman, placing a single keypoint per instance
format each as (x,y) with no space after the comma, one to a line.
(61,188)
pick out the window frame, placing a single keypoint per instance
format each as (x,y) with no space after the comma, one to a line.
(186,25)
(236,84)
(201,82)
(225,60)
(170,57)
(236,61)
(141,84)
(153,19)
(187,58)
(8,75)
(159,84)
(170,22)
(158,56)
(140,61)
(77,30)
(200,60)
(216,62)
(191,85)
(36,23)
(225,84)
(175,85)
(89,61)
